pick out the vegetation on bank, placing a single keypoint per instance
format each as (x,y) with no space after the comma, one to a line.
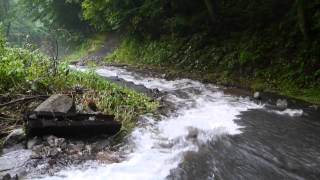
(89,46)
(29,73)
(230,64)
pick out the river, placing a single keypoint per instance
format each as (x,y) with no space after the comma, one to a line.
(210,134)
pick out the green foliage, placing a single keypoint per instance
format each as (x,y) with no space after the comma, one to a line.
(57,14)
(243,60)
(89,46)
(26,72)
(18,67)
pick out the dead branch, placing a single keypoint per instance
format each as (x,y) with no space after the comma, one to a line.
(23,99)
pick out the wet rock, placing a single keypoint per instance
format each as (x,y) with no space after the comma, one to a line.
(257,95)
(192,133)
(88,148)
(315,107)
(100,145)
(282,103)
(32,142)
(107,157)
(15,137)
(75,148)
(9,177)
(56,103)
(51,140)
(54,141)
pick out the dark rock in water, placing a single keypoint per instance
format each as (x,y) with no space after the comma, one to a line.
(8,177)
(192,133)
(70,125)
(15,137)
(56,103)
(282,103)
(257,95)
(56,142)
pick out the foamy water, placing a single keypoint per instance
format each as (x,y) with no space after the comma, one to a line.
(159,145)
(289,112)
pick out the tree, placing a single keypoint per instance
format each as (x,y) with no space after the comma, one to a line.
(5,15)
(303,19)
(57,14)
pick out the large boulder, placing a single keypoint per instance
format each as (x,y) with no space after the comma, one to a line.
(56,103)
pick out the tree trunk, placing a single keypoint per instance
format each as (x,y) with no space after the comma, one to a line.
(8,29)
(303,20)
(211,9)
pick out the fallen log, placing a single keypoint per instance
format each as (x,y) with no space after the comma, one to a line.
(69,124)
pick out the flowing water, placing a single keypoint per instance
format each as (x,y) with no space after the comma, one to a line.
(210,135)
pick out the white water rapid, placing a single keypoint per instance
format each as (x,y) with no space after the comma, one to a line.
(203,112)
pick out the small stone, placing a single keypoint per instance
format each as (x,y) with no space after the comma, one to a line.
(60,142)
(34,155)
(100,145)
(32,142)
(192,133)
(107,157)
(75,148)
(52,162)
(282,103)
(257,95)
(51,140)
(53,152)
(88,149)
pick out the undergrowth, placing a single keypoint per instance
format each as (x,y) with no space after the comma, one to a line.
(258,62)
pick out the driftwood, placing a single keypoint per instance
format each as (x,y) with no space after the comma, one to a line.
(22,99)
(69,124)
